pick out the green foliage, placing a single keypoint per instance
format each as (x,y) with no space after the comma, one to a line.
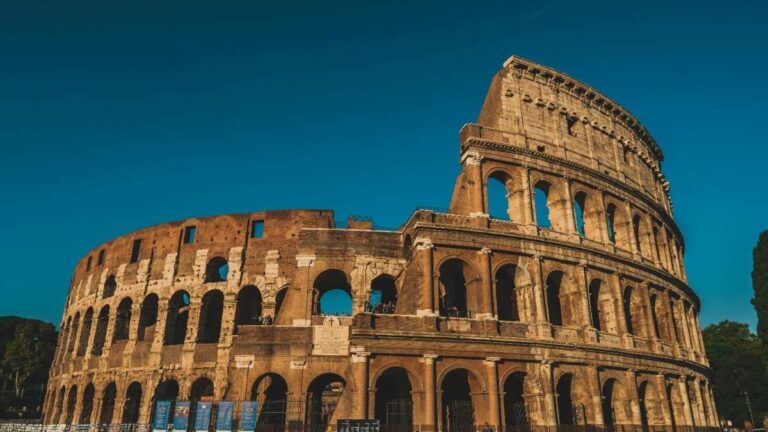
(735,355)
(760,286)
(26,352)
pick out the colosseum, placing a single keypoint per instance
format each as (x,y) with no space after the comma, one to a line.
(570,307)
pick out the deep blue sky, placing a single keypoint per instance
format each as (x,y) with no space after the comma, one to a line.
(118,115)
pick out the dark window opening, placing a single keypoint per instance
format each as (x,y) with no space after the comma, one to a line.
(580,201)
(564,401)
(102,255)
(87,408)
(108,404)
(209,327)
(609,419)
(272,392)
(627,302)
(100,337)
(383,297)
(570,122)
(553,298)
(257,229)
(110,286)
(453,295)
(135,250)
(202,389)
(610,216)
(88,263)
(457,408)
(123,320)
(248,309)
(216,270)
(541,205)
(514,403)
(147,318)
(323,396)
(594,304)
(636,231)
(132,403)
(85,334)
(394,404)
(176,321)
(189,235)
(506,293)
(279,299)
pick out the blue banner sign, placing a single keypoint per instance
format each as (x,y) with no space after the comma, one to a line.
(224,416)
(248,416)
(181,416)
(203,415)
(162,411)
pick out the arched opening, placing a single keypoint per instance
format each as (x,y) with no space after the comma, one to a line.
(498,196)
(383,294)
(458,413)
(642,394)
(167,390)
(132,403)
(594,304)
(394,403)
(85,333)
(209,327)
(610,216)
(216,270)
(60,405)
(271,393)
(323,395)
(202,389)
(609,416)
(455,276)
(627,304)
(332,294)
(554,309)
(515,414)
(177,317)
(100,337)
(687,323)
(108,404)
(248,309)
(506,293)
(541,205)
(579,207)
(565,408)
(279,299)
(110,286)
(72,333)
(71,402)
(636,233)
(147,318)
(654,317)
(123,320)
(634,313)
(87,404)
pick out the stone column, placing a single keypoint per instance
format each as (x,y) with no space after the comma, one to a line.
(527,198)
(586,309)
(666,404)
(682,386)
(492,376)
(602,217)
(472,162)
(633,398)
(430,410)
(570,224)
(424,249)
(133,327)
(360,372)
(549,416)
(543,327)
(593,384)
(487,294)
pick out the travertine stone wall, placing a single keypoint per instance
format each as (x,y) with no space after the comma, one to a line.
(504,315)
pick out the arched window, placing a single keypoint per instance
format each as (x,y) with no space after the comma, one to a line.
(60,405)
(515,414)
(202,389)
(132,403)
(123,319)
(72,333)
(87,404)
(167,390)
(383,294)
(108,404)
(85,333)
(271,391)
(148,318)
(654,317)
(636,232)
(565,414)
(554,309)
(110,286)
(594,304)
(609,417)
(71,402)
(279,299)
(100,337)
(453,288)
(498,201)
(506,293)
(579,206)
(216,270)
(541,204)
(323,396)
(248,310)
(332,294)
(610,215)
(176,319)
(457,407)
(209,326)
(394,403)
(627,303)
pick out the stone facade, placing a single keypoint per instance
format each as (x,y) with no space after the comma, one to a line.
(585,318)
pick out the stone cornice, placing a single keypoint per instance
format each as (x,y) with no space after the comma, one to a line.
(508,148)
(565,83)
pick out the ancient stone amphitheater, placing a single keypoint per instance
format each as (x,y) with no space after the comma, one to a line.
(569,308)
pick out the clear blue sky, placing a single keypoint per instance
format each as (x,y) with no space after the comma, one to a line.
(119,115)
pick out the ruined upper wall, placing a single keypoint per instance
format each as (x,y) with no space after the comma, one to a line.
(544,110)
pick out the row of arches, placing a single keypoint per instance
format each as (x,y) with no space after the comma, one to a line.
(76,332)
(571,208)
(332,294)
(398,400)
